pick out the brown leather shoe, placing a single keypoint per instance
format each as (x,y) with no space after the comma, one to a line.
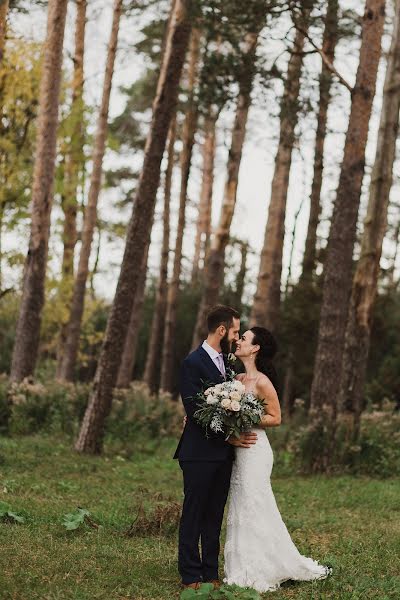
(194,586)
(216,583)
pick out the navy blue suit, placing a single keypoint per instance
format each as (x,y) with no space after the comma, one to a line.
(206,464)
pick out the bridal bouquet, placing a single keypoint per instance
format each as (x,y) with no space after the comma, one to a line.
(227,408)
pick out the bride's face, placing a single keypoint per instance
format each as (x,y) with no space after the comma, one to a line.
(245,347)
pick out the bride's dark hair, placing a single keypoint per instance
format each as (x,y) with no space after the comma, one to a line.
(268,349)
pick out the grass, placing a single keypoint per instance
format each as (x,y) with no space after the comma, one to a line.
(351,523)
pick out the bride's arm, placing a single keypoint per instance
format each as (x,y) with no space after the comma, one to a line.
(267,392)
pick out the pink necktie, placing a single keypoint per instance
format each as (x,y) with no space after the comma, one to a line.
(221,365)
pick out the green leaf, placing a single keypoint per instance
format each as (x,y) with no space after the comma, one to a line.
(206,587)
(15,517)
(4,508)
(188,594)
(72,521)
(227,595)
(71,524)
(7,514)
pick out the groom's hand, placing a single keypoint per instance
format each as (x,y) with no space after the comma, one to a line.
(245,441)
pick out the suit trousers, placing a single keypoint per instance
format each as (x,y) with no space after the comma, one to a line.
(206,487)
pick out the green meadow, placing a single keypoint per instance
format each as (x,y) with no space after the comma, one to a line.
(126,548)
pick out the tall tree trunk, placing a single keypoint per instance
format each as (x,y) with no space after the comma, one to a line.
(96,263)
(73,164)
(266,303)
(325,81)
(338,262)
(189,130)
(391,271)
(203,228)
(151,372)
(30,314)
(74,155)
(4,4)
(91,433)
(287,393)
(129,354)
(215,261)
(67,367)
(365,279)
(241,276)
(292,246)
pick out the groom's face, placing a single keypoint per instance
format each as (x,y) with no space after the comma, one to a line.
(231,337)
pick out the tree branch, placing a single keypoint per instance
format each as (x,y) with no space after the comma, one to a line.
(326,60)
(5,292)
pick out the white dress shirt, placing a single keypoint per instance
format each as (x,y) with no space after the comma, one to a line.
(216,357)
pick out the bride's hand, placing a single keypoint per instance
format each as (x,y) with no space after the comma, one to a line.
(245,441)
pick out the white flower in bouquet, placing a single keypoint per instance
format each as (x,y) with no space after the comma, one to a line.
(235,396)
(239,386)
(235,406)
(208,391)
(226,403)
(211,399)
(217,424)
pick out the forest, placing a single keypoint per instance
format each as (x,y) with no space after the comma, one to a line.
(158,157)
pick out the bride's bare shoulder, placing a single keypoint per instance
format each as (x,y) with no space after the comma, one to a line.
(264,382)
(239,376)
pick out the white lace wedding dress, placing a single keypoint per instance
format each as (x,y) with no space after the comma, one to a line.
(259,552)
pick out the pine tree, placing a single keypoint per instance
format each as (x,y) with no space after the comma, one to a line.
(338,263)
(92,429)
(68,358)
(30,313)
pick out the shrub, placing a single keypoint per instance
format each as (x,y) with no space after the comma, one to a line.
(136,409)
(376,452)
(53,406)
(59,407)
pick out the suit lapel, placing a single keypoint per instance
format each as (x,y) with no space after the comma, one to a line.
(210,364)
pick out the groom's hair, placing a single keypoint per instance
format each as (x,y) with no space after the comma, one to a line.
(221,315)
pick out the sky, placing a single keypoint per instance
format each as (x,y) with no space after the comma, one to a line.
(257,165)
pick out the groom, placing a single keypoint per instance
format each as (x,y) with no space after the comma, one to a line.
(206,463)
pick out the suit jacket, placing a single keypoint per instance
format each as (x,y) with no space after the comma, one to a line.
(197,370)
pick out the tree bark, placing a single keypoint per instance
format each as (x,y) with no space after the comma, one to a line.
(338,262)
(325,82)
(266,303)
(30,314)
(4,4)
(241,276)
(74,155)
(73,164)
(67,367)
(287,394)
(215,260)
(129,354)
(365,279)
(391,271)
(203,228)
(92,429)
(189,130)
(151,372)
(292,246)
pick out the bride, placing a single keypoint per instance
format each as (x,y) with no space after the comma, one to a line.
(259,552)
